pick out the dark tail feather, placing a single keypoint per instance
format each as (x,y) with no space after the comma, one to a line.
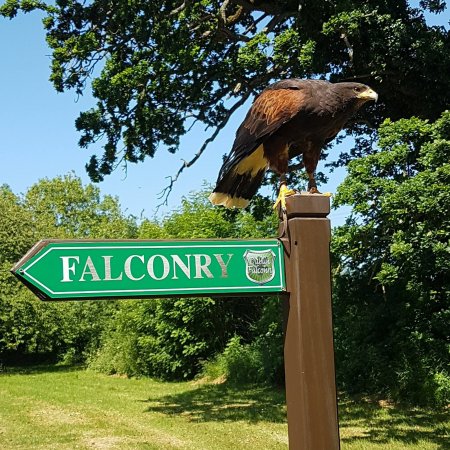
(235,190)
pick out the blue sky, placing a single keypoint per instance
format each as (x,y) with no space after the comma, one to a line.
(38,136)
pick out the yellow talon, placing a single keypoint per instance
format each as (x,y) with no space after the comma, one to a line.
(314,190)
(284,192)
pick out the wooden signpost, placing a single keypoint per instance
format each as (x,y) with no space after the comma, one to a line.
(308,345)
(297,266)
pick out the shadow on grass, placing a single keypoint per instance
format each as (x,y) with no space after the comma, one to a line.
(359,420)
(38,369)
(369,422)
(224,403)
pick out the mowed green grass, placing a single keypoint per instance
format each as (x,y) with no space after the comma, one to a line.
(68,408)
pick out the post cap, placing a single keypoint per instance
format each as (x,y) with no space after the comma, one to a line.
(307,205)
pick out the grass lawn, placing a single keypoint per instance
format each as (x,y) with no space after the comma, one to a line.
(68,408)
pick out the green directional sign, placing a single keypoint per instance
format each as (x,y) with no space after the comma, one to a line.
(57,270)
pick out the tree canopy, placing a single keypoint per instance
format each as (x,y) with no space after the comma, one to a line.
(59,208)
(157,67)
(392,283)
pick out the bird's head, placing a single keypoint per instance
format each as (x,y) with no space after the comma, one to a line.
(365,93)
(357,91)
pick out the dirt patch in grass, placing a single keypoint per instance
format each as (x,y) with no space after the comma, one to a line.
(119,442)
(104,443)
(50,414)
(353,432)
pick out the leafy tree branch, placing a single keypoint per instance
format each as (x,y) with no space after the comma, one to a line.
(152,65)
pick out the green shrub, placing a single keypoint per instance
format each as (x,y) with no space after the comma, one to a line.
(241,363)
(437,390)
(173,337)
(442,390)
(238,363)
(118,355)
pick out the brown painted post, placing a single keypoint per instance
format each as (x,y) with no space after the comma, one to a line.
(308,348)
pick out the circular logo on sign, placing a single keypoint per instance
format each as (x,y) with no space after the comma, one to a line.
(260,265)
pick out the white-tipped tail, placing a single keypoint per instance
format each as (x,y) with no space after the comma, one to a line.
(221,199)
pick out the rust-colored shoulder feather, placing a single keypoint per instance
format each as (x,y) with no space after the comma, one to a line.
(272,109)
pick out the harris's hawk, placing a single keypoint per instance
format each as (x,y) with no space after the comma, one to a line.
(289,118)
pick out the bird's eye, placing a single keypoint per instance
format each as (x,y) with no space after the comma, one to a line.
(357,89)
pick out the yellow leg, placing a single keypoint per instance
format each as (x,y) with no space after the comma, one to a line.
(283,193)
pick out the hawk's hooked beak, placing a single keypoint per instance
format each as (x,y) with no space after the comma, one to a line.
(368,94)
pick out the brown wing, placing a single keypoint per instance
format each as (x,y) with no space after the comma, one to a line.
(273,108)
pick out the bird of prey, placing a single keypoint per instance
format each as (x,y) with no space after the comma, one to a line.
(289,118)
